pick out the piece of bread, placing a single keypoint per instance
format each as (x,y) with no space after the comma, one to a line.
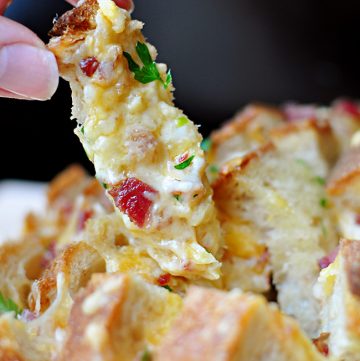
(338,289)
(18,344)
(309,141)
(248,130)
(20,264)
(219,326)
(77,263)
(118,317)
(138,140)
(280,204)
(343,188)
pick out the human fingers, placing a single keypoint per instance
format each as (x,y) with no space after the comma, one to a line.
(27,69)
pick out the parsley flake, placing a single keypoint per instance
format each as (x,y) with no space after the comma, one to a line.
(185,163)
(168,288)
(324,202)
(104,185)
(8,305)
(177,197)
(182,121)
(149,72)
(206,144)
(320,180)
(82,130)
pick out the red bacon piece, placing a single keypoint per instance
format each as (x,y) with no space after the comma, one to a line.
(134,198)
(89,66)
(328,259)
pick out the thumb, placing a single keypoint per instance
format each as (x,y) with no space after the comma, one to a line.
(27,69)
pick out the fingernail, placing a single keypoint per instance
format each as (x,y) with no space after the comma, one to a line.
(28,71)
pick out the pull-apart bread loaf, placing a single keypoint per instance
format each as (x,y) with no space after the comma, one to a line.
(149,261)
(146,152)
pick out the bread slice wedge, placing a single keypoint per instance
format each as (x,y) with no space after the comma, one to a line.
(233,326)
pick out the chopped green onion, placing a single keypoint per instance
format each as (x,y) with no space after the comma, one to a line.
(168,288)
(82,130)
(104,185)
(185,163)
(177,197)
(181,121)
(8,305)
(324,202)
(320,180)
(206,144)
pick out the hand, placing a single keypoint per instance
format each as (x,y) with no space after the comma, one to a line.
(27,69)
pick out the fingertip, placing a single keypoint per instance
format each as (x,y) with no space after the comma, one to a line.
(28,71)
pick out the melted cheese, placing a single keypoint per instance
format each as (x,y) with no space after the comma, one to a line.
(131,129)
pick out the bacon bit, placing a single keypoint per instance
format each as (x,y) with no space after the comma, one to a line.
(84,216)
(294,112)
(327,260)
(49,255)
(357,219)
(164,279)
(132,198)
(28,316)
(321,343)
(347,106)
(89,66)
(182,158)
(125,4)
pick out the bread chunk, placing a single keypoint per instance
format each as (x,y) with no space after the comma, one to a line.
(118,317)
(218,326)
(338,289)
(276,199)
(144,149)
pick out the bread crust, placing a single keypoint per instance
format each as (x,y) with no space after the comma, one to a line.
(345,171)
(77,20)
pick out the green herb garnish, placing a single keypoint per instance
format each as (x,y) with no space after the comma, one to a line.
(214,169)
(168,288)
(146,356)
(8,305)
(177,197)
(205,145)
(104,185)
(324,202)
(82,130)
(320,180)
(185,163)
(182,121)
(149,72)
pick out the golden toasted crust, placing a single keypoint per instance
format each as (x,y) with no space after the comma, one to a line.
(78,347)
(218,326)
(79,19)
(351,253)
(347,168)
(209,328)
(288,128)
(241,120)
(77,262)
(71,176)
(238,164)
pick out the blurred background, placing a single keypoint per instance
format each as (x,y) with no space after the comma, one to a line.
(223,54)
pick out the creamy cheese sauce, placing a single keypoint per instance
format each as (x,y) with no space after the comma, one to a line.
(131,130)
